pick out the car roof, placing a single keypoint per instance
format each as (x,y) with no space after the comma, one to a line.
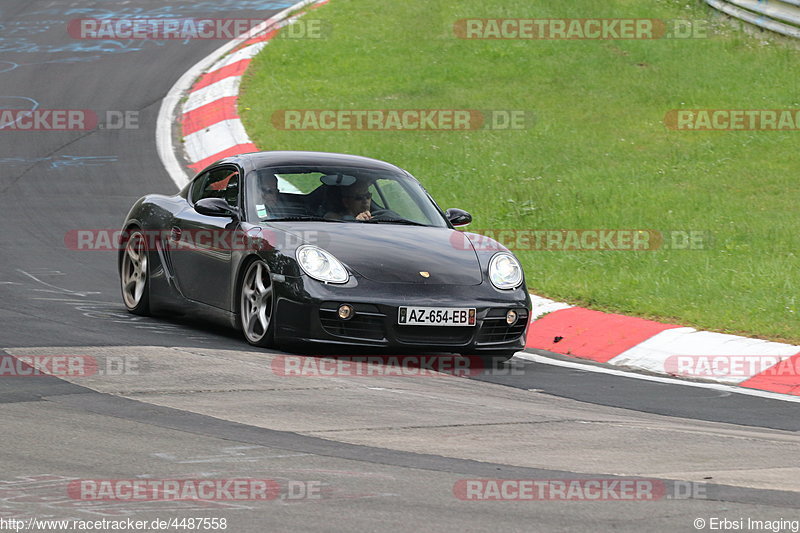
(301,158)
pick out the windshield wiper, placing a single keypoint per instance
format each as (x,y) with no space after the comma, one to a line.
(395,221)
(301,217)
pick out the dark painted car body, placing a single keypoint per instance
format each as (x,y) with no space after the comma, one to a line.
(384,261)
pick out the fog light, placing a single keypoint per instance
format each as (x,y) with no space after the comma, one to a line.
(511,317)
(346,312)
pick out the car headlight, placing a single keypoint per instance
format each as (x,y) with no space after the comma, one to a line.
(321,265)
(505,271)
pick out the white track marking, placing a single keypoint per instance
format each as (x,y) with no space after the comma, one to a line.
(653,353)
(248,52)
(670,381)
(59,290)
(543,306)
(224,88)
(215,138)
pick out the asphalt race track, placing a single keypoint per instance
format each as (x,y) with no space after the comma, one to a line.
(349,453)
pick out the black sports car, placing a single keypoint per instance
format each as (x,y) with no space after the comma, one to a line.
(327,248)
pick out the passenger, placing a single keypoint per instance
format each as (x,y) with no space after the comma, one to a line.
(269,202)
(354,202)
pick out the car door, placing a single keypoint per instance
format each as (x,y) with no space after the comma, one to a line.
(200,245)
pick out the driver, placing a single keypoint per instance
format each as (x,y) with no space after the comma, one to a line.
(356,200)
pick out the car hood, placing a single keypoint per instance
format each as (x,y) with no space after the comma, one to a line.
(393,253)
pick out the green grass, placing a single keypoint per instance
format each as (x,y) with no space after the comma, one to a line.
(598,155)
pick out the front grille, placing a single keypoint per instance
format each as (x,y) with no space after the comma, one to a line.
(366,324)
(435,334)
(495,330)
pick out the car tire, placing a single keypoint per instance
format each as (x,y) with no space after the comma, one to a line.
(134,274)
(257,305)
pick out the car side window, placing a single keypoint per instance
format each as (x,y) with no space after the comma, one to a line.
(218,183)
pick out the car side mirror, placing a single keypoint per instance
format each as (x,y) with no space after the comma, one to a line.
(458,217)
(215,207)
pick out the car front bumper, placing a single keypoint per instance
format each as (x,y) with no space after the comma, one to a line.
(306,312)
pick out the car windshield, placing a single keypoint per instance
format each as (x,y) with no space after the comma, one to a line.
(338,194)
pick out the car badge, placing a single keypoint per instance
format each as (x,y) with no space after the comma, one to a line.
(425,274)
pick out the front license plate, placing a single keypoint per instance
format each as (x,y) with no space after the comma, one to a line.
(436,316)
